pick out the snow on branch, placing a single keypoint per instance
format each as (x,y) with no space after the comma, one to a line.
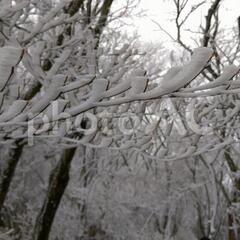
(89,91)
(9,57)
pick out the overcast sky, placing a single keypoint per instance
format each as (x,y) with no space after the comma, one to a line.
(162,11)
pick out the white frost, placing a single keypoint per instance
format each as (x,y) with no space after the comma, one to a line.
(51,94)
(9,57)
(200,58)
(16,108)
(98,89)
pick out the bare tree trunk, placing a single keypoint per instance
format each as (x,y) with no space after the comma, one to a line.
(105,9)
(59,177)
(12,161)
(16,152)
(57,184)
(231,233)
(9,170)
(233,167)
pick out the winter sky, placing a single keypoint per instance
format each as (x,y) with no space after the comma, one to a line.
(162,11)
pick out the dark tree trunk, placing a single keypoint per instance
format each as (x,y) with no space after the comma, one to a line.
(58,182)
(9,169)
(102,21)
(16,152)
(59,177)
(231,233)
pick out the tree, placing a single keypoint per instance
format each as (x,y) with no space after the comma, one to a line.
(211,35)
(59,74)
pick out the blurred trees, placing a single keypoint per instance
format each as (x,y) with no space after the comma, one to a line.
(100,141)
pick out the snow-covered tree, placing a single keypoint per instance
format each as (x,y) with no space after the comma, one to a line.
(87,143)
